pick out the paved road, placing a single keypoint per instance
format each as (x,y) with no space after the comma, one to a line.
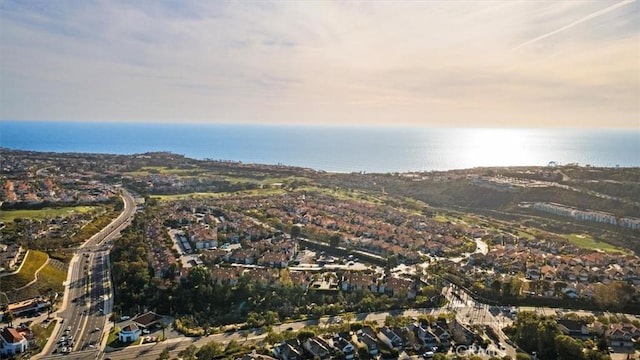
(87,289)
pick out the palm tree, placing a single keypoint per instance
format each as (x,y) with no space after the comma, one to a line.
(163,326)
(8,317)
(52,299)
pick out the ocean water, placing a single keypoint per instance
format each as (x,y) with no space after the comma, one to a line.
(335,148)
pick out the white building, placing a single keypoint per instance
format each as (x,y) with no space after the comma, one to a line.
(12,342)
(129,333)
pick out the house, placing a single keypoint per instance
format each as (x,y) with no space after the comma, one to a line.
(289,350)
(129,333)
(397,286)
(389,338)
(443,335)
(274,259)
(533,273)
(345,346)
(148,320)
(317,347)
(407,337)
(425,334)
(222,275)
(574,328)
(367,336)
(570,292)
(623,335)
(300,279)
(358,281)
(460,333)
(12,342)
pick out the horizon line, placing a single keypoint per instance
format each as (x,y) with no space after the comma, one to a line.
(318,124)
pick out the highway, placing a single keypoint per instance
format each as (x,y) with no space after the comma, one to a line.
(87,302)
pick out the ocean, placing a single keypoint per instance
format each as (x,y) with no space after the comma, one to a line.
(335,148)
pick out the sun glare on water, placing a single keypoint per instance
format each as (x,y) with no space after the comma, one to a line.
(498,147)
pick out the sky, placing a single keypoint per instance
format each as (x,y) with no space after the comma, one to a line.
(540,63)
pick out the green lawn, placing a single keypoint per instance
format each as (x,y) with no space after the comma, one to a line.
(8,215)
(441,218)
(186,196)
(34,260)
(41,335)
(199,195)
(588,242)
(51,278)
(147,170)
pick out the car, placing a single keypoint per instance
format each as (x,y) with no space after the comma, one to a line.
(63,350)
(96,330)
(68,328)
(70,337)
(502,347)
(62,339)
(123,318)
(290,328)
(146,331)
(428,354)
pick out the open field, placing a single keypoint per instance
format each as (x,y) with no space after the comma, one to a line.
(148,170)
(34,260)
(588,242)
(266,180)
(198,195)
(46,213)
(51,277)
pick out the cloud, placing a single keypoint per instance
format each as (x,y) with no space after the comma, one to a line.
(424,63)
(577,22)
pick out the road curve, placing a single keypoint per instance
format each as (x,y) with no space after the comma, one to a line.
(85,290)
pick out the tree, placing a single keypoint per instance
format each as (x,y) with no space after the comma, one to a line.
(348,317)
(232,347)
(255,320)
(296,231)
(271,317)
(335,239)
(198,276)
(210,351)
(189,353)
(305,334)
(164,355)
(164,327)
(568,348)
(613,296)
(8,318)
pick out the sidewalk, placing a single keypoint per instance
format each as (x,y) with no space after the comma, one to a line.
(65,302)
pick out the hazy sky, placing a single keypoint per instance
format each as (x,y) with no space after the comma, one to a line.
(455,63)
